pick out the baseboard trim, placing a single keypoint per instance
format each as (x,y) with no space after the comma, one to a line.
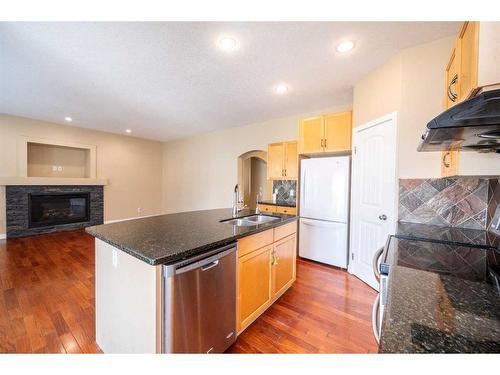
(130,218)
(3,236)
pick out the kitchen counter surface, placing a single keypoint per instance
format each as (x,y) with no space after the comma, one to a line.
(167,238)
(441,298)
(454,235)
(278,203)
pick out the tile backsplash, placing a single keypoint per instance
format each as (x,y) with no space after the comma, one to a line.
(466,202)
(284,189)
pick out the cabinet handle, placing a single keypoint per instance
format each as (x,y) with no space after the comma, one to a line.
(445,163)
(322,143)
(451,95)
(325,143)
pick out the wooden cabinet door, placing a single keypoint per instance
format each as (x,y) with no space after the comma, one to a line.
(450,163)
(254,285)
(338,130)
(283,264)
(451,78)
(311,135)
(276,160)
(291,160)
(469,47)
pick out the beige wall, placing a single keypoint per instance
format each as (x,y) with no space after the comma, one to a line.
(411,83)
(131,165)
(200,172)
(378,93)
(73,161)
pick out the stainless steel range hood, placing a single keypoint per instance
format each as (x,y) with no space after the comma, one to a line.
(473,125)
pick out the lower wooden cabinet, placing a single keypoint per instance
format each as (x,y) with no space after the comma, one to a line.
(264,273)
(283,264)
(254,285)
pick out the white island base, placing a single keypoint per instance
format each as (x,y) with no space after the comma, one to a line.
(127,302)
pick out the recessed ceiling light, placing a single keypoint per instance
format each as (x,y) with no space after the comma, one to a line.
(227,43)
(345,46)
(68,119)
(128,131)
(281,89)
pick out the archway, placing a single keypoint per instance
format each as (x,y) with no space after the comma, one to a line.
(252,177)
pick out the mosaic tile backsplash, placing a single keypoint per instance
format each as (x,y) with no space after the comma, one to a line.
(284,188)
(466,202)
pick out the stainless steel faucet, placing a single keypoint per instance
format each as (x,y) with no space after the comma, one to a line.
(236,199)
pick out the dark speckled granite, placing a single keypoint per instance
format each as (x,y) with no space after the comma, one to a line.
(441,298)
(167,238)
(454,235)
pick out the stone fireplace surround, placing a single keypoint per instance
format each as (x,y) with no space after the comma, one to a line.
(17,208)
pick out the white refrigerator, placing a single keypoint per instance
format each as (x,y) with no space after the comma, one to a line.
(324,210)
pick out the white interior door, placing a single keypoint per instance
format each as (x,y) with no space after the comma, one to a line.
(373,199)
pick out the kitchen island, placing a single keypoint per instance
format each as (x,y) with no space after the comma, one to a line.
(132,256)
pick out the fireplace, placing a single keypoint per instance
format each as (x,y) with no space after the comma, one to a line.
(36,209)
(55,209)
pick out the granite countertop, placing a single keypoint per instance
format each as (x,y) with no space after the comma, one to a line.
(278,203)
(441,298)
(168,238)
(459,236)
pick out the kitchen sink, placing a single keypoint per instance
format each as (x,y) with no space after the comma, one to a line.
(248,221)
(261,218)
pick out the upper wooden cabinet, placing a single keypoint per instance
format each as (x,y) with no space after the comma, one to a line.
(461,78)
(462,68)
(468,40)
(311,134)
(338,131)
(282,161)
(328,133)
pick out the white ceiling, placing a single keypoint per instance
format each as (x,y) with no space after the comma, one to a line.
(168,80)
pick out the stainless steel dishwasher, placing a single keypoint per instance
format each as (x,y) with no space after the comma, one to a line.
(199,303)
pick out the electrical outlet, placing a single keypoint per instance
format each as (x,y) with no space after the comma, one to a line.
(114,258)
(59,169)
(139,210)
(54,168)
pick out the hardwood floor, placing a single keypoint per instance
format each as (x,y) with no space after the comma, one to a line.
(327,310)
(47,294)
(47,304)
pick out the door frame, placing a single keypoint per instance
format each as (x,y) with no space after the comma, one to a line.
(391,120)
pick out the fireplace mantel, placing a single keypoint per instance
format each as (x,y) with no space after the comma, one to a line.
(15,180)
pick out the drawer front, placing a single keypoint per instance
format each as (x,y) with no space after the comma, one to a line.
(267,208)
(285,230)
(286,210)
(254,242)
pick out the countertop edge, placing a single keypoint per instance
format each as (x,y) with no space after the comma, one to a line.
(195,251)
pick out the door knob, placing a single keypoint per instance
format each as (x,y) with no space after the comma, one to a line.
(383,217)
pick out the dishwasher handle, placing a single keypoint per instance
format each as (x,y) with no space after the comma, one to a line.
(204,264)
(210,265)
